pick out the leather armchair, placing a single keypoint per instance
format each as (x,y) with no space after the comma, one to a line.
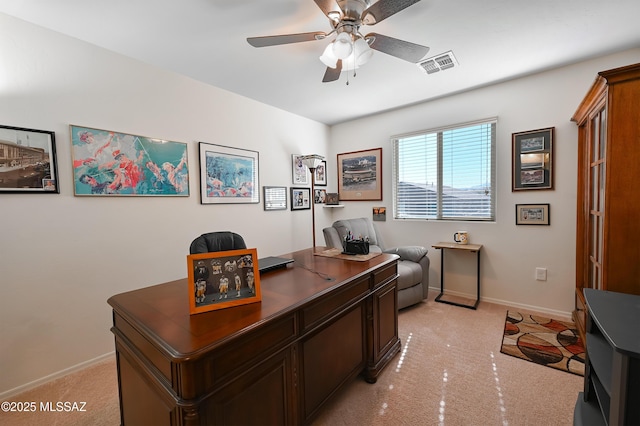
(217,241)
(413,266)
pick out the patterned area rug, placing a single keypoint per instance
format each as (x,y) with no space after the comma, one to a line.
(545,341)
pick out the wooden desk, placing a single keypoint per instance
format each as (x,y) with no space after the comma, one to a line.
(473,248)
(274,362)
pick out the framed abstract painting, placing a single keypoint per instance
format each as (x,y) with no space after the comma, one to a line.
(228,175)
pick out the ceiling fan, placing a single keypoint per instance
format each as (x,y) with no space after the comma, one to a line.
(351,49)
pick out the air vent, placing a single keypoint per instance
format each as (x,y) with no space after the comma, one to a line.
(436,63)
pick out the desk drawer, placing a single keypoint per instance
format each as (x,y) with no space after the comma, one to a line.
(381,276)
(333,303)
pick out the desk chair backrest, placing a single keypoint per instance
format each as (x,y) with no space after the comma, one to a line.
(217,241)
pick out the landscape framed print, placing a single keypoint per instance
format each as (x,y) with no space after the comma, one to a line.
(108,163)
(228,175)
(28,161)
(360,175)
(532,159)
(532,214)
(223,279)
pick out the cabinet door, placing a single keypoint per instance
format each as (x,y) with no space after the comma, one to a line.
(263,396)
(383,333)
(330,358)
(596,197)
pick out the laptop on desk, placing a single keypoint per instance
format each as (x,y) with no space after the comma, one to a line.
(272,262)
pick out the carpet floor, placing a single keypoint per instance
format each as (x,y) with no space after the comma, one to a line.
(545,341)
(450,372)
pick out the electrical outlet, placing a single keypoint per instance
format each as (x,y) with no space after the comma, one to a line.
(541,274)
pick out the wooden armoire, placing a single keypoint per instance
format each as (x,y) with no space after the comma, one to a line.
(608,214)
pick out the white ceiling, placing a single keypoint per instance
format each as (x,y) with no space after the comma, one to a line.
(493,40)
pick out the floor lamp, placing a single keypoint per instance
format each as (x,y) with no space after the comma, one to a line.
(312,162)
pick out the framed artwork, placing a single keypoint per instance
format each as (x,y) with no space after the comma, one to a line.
(275,197)
(320,196)
(321,174)
(223,279)
(360,175)
(532,159)
(300,198)
(107,163)
(332,198)
(532,214)
(228,175)
(300,171)
(380,214)
(28,162)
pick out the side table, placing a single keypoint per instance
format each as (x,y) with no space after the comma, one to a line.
(472,248)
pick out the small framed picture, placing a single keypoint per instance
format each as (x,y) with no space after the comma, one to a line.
(300,198)
(223,279)
(300,171)
(320,196)
(532,214)
(28,162)
(275,197)
(321,174)
(332,198)
(532,159)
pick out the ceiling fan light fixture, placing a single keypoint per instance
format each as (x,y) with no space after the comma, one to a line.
(328,58)
(362,51)
(342,45)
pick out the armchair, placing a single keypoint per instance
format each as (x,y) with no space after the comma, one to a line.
(413,266)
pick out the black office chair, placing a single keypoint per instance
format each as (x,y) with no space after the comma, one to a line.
(217,241)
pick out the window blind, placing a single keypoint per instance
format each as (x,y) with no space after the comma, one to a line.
(446,173)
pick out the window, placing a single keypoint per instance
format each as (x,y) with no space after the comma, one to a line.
(446,173)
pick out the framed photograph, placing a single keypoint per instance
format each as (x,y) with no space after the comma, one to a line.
(321,174)
(532,159)
(28,161)
(300,171)
(275,197)
(360,175)
(223,279)
(380,214)
(228,175)
(300,198)
(332,198)
(320,196)
(532,214)
(107,163)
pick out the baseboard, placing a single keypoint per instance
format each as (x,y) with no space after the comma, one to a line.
(551,312)
(54,376)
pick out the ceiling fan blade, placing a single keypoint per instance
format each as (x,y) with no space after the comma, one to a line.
(382,9)
(327,6)
(285,39)
(332,74)
(399,48)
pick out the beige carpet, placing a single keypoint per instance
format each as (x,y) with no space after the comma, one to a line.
(450,372)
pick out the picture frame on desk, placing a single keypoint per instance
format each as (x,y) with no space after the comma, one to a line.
(228,175)
(223,279)
(29,163)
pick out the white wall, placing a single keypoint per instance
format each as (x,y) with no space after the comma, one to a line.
(62,256)
(510,253)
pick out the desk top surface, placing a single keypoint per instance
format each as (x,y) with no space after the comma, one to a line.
(161,312)
(456,246)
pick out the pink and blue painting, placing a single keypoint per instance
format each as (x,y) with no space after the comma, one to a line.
(228,175)
(107,163)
